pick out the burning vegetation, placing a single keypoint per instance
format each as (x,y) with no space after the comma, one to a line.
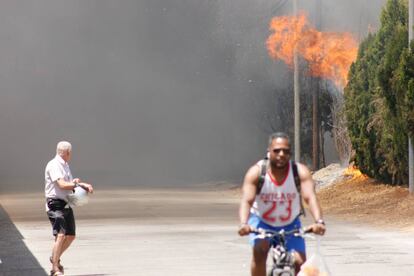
(354,172)
(329,54)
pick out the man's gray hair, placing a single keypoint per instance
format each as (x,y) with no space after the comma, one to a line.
(276,135)
(63,146)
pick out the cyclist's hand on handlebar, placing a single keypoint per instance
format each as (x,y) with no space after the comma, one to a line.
(316,228)
(244,229)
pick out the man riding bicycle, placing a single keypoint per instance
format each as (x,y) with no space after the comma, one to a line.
(276,204)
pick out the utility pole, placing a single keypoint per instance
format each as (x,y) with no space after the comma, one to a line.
(315,104)
(296,93)
(315,124)
(410,140)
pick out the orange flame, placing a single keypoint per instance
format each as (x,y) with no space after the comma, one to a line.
(329,55)
(354,172)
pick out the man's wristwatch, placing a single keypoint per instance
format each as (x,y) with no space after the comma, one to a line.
(320,221)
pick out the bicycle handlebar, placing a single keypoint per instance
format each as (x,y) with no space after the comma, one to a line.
(281,233)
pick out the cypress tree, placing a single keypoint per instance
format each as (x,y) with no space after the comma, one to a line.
(379,98)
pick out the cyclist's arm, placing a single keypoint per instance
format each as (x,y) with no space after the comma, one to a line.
(248,195)
(309,196)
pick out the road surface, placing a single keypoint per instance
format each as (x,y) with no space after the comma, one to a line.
(176,232)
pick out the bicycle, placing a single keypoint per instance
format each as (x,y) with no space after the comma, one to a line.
(283,260)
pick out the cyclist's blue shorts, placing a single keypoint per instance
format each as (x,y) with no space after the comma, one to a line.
(292,242)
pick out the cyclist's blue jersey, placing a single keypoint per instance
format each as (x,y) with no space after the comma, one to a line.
(277,204)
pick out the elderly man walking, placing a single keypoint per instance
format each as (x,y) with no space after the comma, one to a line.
(59,183)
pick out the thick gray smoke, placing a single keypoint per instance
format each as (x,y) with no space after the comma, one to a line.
(149,92)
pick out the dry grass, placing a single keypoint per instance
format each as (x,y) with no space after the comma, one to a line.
(361,199)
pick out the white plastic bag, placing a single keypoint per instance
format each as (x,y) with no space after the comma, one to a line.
(315,265)
(79,197)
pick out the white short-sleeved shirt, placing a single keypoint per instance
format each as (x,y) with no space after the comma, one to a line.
(277,204)
(55,169)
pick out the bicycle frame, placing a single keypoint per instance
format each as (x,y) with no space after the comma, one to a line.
(283,260)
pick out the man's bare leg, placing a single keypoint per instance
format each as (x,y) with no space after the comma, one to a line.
(57,251)
(68,241)
(258,265)
(61,244)
(300,258)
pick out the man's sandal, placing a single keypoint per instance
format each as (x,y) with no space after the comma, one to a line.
(56,273)
(61,268)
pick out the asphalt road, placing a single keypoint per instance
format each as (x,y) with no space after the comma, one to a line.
(176,232)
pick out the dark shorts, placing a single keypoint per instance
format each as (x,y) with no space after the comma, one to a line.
(61,218)
(292,243)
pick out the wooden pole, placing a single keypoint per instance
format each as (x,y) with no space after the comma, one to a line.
(296,95)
